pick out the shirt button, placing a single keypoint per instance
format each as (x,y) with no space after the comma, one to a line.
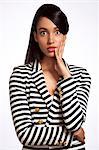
(39,121)
(61,142)
(37,109)
(65,143)
(59,89)
(60,92)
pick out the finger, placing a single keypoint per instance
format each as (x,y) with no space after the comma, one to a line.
(81,139)
(61,50)
(57,54)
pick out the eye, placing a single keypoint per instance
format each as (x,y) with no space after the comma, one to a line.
(57,32)
(43,33)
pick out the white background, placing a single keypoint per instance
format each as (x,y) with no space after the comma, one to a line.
(81,49)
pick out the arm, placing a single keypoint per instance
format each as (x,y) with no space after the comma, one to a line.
(74,100)
(27,132)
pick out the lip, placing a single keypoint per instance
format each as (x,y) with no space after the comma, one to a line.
(51,49)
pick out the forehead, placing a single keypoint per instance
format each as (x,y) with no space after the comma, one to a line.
(44,22)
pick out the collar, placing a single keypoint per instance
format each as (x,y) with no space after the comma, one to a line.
(36,66)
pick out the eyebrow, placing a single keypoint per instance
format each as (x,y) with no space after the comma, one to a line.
(42,28)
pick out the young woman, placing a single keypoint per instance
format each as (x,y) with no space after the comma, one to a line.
(49,97)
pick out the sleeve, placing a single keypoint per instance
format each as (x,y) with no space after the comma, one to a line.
(28,133)
(74,98)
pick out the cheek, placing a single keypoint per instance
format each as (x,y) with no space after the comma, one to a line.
(41,42)
(59,41)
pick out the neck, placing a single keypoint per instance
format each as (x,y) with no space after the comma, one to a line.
(47,63)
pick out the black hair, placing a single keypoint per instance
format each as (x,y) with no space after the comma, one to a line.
(53,13)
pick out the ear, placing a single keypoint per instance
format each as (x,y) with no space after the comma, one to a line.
(35,36)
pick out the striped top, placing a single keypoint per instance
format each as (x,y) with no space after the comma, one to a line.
(41,120)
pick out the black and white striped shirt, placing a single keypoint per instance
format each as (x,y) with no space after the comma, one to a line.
(41,120)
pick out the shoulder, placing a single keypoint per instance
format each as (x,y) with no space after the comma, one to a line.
(79,71)
(75,68)
(21,72)
(23,69)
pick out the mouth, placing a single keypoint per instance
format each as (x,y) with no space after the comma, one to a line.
(51,49)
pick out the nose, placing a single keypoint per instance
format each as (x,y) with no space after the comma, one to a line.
(50,39)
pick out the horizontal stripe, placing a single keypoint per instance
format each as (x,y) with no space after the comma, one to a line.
(57,114)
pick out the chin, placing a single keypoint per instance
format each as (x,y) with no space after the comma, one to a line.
(51,55)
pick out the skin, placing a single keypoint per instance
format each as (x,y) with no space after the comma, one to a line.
(51,43)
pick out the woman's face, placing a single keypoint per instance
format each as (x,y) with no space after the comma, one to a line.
(48,37)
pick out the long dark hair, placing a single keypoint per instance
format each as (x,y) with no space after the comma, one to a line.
(53,13)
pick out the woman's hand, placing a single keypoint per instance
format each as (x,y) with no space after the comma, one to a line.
(60,67)
(80,135)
